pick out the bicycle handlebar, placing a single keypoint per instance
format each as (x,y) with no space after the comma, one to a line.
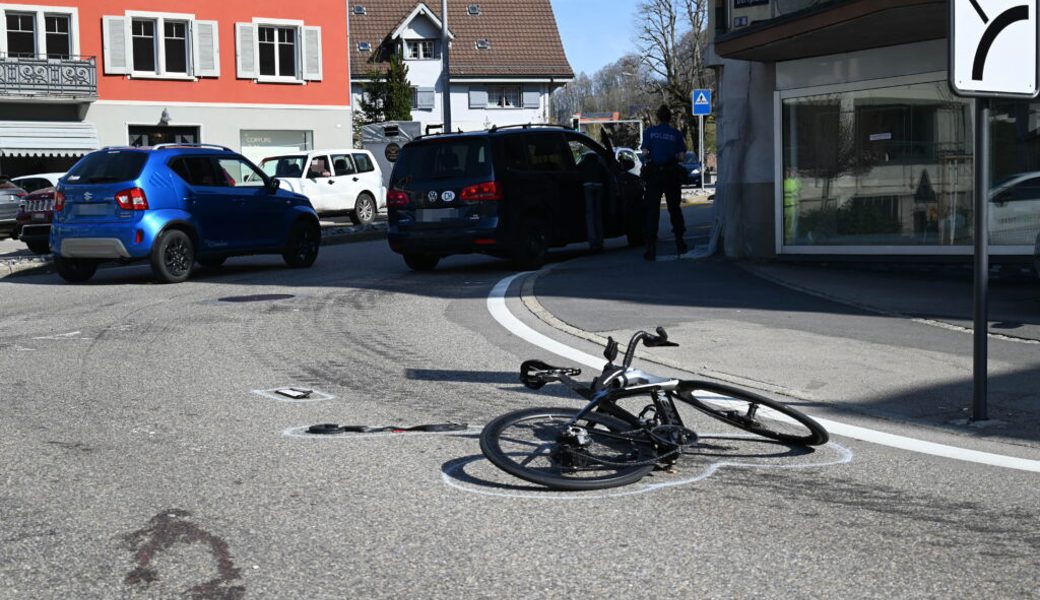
(649,340)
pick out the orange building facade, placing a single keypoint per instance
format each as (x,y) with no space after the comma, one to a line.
(258,76)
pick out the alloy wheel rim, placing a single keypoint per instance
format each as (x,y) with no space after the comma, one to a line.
(176,257)
(366,212)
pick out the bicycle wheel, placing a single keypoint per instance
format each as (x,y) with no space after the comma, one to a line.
(752,412)
(534,444)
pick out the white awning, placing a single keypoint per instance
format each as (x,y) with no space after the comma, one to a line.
(47,138)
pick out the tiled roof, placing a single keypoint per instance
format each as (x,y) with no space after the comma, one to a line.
(524,39)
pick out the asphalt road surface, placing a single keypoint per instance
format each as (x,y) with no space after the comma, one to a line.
(144,455)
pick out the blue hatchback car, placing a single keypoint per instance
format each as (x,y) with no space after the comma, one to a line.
(175,205)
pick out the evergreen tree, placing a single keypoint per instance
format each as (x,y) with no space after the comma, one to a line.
(388,95)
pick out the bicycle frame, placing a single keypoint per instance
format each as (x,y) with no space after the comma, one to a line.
(617,382)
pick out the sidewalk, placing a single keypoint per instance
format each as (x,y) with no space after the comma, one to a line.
(889,343)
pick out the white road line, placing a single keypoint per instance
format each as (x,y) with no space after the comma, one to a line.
(496,304)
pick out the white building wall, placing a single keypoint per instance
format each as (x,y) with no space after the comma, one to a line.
(223,124)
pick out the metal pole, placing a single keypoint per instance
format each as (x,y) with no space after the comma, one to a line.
(981,257)
(446,66)
(700,148)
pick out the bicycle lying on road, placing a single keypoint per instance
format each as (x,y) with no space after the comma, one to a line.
(604,445)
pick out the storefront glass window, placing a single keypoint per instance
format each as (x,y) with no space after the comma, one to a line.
(888,166)
(1014,209)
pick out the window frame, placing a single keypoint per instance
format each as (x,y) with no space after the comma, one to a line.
(420,45)
(40,13)
(306,73)
(159,19)
(277,43)
(496,92)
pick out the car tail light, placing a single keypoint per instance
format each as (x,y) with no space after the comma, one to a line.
(397,198)
(59,201)
(132,199)
(489,190)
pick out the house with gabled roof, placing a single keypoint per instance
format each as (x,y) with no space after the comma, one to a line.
(506,57)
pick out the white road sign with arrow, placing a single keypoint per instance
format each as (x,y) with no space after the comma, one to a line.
(993,47)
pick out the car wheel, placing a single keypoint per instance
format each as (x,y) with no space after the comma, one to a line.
(39,247)
(75,270)
(530,248)
(173,256)
(421,262)
(212,261)
(301,249)
(364,210)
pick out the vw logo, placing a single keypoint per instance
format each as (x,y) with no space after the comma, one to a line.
(431,196)
(88,196)
(448,196)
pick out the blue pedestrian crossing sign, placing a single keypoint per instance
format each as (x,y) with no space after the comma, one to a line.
(701,102)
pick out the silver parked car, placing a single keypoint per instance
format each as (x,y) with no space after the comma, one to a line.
(10,197)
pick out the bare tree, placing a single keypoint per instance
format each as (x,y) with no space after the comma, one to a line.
(673,37)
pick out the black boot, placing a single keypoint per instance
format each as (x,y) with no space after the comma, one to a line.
(680,245)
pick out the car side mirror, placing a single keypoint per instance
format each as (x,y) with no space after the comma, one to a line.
(272,185)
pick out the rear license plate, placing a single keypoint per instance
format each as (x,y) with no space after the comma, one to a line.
(92,210)
(433,215)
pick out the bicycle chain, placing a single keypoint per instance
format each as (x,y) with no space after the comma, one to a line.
(638,463)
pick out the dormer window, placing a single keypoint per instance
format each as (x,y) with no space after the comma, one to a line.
(364,47)
(473,9)
(483,44)
(420,49)
(360,10)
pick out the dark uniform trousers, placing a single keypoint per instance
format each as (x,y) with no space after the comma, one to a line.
(667,180)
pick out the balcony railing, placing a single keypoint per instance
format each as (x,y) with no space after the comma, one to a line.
(42,77)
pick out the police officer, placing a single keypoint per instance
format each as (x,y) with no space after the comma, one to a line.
(663,149)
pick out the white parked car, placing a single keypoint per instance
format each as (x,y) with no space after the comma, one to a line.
(31,183)
(336,181)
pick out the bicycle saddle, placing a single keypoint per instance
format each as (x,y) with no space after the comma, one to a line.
(534,373)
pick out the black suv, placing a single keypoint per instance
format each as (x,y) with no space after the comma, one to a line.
(511,192)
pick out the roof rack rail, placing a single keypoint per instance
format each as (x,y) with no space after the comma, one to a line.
(191,145)
(495,128)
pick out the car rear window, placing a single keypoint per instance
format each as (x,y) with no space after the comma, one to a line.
(363,164)
(284,166)
(443,159)
(108,166)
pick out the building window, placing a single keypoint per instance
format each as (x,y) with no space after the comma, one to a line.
(21,35)
(421,49)
(59,36)
(159,45)
(277,51)
(175,44)
(504,96)
(142,31)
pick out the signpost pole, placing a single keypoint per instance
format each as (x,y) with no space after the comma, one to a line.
(700,148)
(982,176)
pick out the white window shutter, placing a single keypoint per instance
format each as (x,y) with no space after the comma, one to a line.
(245,51)
(478,98)
(312,53)
(425,97)
(532,98)
(115,46)
(205,47)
